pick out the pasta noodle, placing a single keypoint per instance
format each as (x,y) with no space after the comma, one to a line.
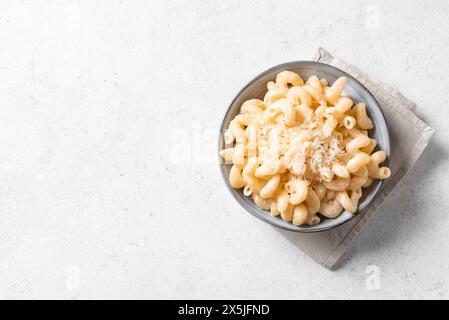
(303,152)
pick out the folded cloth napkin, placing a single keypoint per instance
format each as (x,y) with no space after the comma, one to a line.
(409,136)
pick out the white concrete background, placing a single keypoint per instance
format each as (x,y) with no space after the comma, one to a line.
(109,111)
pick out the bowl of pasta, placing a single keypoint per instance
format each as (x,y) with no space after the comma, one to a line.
(304,146)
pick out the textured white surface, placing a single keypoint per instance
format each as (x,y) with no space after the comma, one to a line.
(109,112)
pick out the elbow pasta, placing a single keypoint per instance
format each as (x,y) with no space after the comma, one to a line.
(303,152)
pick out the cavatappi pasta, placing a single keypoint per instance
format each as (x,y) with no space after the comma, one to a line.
(304,150)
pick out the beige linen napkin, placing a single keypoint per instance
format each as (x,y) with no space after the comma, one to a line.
(409,136)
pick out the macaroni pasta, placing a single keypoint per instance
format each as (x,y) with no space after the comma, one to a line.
(303,152)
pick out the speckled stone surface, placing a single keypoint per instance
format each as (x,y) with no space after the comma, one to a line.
(109,112)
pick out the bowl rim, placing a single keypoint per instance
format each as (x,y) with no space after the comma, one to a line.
(265,214)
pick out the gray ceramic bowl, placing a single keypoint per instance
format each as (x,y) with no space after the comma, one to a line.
(257,89)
